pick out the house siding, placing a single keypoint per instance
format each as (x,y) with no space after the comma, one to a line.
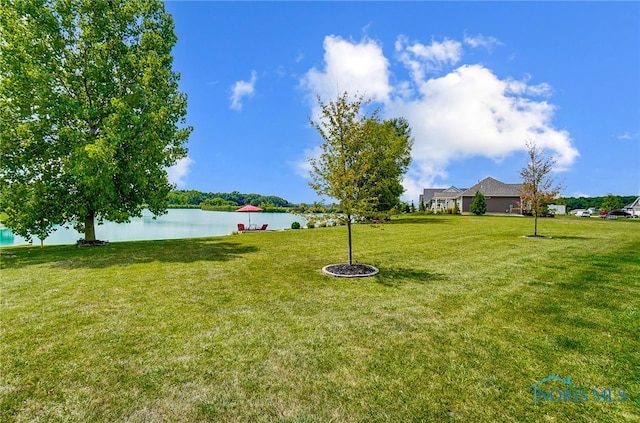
(494,204)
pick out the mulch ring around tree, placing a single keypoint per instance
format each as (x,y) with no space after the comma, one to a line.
(350,270)
(536,237)
(93,243)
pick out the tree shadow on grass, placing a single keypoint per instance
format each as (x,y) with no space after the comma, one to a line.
(571,237)
(420,220)
(126,253)
(397,276)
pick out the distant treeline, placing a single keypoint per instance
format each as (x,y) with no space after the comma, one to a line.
(225,201)
(574,203)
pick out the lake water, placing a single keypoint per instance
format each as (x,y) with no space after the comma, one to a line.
(177,223)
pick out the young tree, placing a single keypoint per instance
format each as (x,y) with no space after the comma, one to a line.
(358,154)
(478,205)
(90,112)
(538,187)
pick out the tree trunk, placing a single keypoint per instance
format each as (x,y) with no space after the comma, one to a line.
(535,223)
(89,228)
(349,232)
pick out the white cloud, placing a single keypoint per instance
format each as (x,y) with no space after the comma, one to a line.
(242,89)
(471,112)
(422,59)
(481,41)
(465,112)
(629,136)
(357,68)
(178,172)
(302,167)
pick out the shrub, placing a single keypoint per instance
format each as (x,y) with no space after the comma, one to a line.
(479,204)
(311,224)
(295,225)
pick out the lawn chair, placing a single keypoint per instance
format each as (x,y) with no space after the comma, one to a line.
(264,227)
(240,227)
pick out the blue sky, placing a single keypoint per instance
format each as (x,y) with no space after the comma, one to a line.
(475,80)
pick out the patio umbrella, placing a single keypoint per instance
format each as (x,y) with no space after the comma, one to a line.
(248,209)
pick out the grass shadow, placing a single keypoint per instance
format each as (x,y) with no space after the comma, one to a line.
(573,237)
(420,220)
(397,276)
(126,253)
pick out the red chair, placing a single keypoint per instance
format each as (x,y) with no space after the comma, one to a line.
(264,227)
(240,227)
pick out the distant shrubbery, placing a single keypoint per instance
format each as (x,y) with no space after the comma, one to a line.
(223,201)
(574,203)
(295,225)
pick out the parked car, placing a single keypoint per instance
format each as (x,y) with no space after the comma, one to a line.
(614,214)
(584,213)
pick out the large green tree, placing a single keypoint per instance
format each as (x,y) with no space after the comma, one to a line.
(538,187)
(362,161)
(390,143)
(611,202)
(90,112)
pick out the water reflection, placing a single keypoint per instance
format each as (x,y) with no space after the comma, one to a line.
(177,223)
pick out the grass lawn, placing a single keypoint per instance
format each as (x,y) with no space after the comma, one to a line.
(464,317)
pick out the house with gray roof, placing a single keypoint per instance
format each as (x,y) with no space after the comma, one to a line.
(500,197)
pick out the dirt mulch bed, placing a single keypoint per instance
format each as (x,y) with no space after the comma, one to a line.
(350,270)
(94,243)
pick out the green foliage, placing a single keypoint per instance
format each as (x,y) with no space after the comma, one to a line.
(218,201)
(611,202)
(391,142)
(362,159)
(478,205)
(295,225)
(208,207)
(90,112)
(193,197)
(456,208)
(574,203)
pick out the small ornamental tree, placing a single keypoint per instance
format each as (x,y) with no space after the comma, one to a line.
(344,160)
(362,159)
(478,204)
(538,188)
